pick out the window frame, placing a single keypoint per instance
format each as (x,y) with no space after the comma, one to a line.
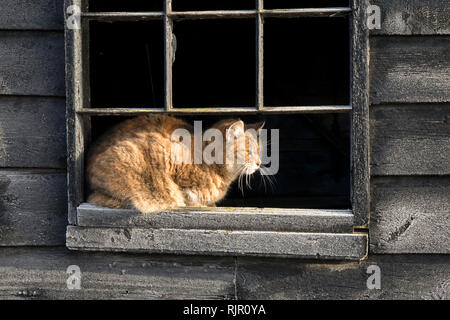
(78,117)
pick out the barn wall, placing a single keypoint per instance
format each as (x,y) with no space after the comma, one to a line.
(410,177)
(41,273)
(32,123)
(410,128)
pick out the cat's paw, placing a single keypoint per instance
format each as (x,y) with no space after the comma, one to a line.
(192,198)
(145,207)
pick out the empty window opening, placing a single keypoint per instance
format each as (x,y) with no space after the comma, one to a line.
(215,63)
(127,64)
(129,5)
(306,61)
(191,5)
(290,4)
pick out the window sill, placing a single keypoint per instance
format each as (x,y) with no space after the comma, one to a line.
(317,234)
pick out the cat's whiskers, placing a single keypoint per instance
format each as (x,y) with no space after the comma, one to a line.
(244,176)
(266,177)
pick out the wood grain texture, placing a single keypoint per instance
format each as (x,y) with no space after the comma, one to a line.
(32,132)
(410,140)
(360,150)
(413,17)
(219,242)
(402,277)
(33,208)
(32,63)
(410,215)
(32,15)
(409,69)
(78,126)
(40,273)
(220,110)
(218,14)
(221,219)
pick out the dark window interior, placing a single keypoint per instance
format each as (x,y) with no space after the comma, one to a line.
(215,63)
(191,5)
(127,64)
(128,5)
(314,161)
(306,61)
(289,4)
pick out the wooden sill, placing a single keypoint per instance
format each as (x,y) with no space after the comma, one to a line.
(295,233)
(221,218)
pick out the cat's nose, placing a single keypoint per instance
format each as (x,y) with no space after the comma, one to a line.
(258,163)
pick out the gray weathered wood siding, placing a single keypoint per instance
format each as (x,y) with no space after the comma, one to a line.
(410,128)
(32,124)
(40,273)
(410,184)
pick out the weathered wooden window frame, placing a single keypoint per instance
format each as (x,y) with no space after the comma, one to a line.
(332,234)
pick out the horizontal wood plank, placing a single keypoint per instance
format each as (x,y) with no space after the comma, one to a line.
(410,140)
(218,110)
(32,132)
(32,63)
(219,242)
(40,273)
(217,14)
(402,277)
(33,208)
(122,16)
(413,17)
(267,219)
(32,15)
(410,215)
(409,69)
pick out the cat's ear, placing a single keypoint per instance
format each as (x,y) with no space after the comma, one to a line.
(256,126)
(235,129)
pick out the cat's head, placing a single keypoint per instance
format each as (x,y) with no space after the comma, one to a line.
(241,146)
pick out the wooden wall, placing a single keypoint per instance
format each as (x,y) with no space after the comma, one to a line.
(410,128)
(410,135)
(32,124)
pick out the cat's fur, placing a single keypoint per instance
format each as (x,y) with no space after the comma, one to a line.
(131,166)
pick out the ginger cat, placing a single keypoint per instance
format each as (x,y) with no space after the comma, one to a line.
(132,167)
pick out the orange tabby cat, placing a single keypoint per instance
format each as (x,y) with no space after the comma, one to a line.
(132,166)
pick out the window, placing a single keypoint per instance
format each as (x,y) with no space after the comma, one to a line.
(299,65)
